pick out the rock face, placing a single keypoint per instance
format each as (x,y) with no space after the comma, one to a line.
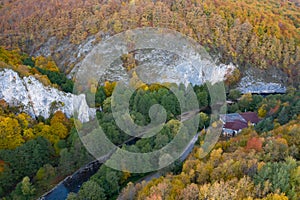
(261,87)
(257,81)
(37,100)
(64,52)
(159,66)
(162,66)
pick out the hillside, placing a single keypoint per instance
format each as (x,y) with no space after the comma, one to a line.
(261,163)
(54,124)
(262,34)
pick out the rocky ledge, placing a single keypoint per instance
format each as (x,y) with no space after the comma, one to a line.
(263,82)
(263,88)
(32,97)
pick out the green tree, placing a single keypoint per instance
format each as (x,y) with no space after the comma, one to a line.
(24,190)
(245,102)
(24,161)
(234,94)
(27,188)
(278,174)
(100,96)
(72,196)
(233,108)
(43,176)
(283,116)
(108,179)
(265,125)
(90,190)
(203,121)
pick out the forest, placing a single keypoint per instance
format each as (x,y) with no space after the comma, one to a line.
(42,68)
(260,163)
(246,165)
(263,34)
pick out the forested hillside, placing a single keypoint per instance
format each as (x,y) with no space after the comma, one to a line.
(260,34)
(260,163)
(242,167)
(46,39)
(42,68)
(36,149)
(39,151)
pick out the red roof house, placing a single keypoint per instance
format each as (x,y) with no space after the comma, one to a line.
(235,122)
(250,117)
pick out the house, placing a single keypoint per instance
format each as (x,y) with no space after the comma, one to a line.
(235,122)
(251,117)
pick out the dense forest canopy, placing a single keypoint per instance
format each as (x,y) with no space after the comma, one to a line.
(257,164)
(261,33)
(262,162)
(55,150)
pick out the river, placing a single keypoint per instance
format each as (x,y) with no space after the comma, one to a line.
(73,182)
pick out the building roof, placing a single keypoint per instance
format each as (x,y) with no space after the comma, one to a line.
(232,117)
(250,117)
(236,121)
(236,125)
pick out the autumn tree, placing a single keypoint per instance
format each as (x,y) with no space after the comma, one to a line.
(10,133)
(254,143)
(109,88)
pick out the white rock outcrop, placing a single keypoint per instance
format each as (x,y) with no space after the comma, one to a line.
(263,81)
(159,66)
(37,100)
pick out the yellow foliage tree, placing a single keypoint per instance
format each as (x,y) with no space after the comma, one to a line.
(46,63)
(23,119)
(45,131)
(10,133)
(262,112)
(58,129)
(128,61)
(276,197)
(10,57)
(109,88)
(60,117)
(43,79)
(136,82)
(28,134)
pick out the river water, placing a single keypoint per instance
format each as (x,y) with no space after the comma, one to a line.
(74,182)
(60,193)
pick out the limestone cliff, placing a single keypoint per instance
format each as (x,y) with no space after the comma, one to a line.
(37,100)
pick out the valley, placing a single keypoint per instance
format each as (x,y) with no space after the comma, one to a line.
(128,99)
